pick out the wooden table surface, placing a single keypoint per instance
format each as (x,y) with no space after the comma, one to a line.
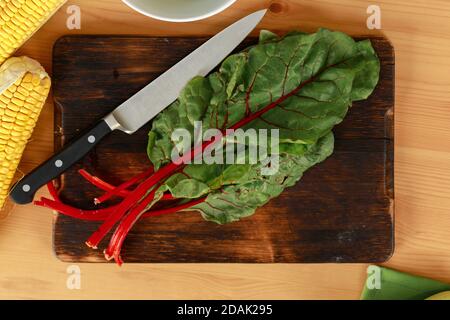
(420,33)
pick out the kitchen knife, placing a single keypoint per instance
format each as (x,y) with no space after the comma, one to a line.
(142,107)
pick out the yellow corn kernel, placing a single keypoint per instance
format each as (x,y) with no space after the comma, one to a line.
(20,19)
(24,87)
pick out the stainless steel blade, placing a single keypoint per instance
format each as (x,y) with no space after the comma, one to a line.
(160,93)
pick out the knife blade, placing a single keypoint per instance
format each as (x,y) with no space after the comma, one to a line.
(142,107)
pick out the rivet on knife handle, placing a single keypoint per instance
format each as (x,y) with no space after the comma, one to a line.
(24,191)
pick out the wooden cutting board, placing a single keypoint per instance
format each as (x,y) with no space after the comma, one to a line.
(341,211)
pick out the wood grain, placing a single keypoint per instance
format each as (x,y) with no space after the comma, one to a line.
(341,211)
(420,33)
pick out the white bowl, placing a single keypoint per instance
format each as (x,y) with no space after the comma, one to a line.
(179,10)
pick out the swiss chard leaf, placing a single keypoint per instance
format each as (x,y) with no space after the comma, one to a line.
(301,84)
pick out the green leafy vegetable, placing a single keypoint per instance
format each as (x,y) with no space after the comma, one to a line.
(302,84)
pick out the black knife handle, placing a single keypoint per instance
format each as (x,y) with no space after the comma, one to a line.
(24,191)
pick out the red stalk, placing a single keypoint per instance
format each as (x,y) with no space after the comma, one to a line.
(52,190)
(167,197)
(110,252)
(89,215)
(119,236)
(112,190)
(99,183)
(162,212)
(124,186)
(129,202)
(94,215)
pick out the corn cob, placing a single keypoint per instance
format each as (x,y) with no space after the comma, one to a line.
(20,19)
(24,86)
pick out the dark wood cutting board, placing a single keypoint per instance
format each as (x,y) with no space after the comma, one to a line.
(341,211)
